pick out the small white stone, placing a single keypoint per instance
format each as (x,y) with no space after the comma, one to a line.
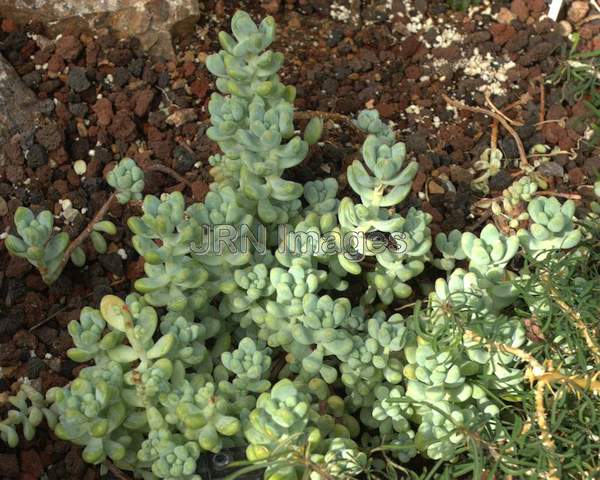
(48,356)
(3,235)
(80,167)
(122,253)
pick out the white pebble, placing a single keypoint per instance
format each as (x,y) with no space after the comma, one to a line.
(122,253)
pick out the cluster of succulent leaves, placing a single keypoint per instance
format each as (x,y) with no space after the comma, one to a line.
(45,246)
(240,334)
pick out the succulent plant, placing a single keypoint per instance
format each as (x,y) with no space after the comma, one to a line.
(386,163)
(279,414)
(46,250)
(29,409)
(552,226)
(250,364)
(451,249)
(37,243)
(489,164)
(252,328)
(127,179)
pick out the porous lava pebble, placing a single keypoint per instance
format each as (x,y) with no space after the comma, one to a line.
(78,81)
(36,156)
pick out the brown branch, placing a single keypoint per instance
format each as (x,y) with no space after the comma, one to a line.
(523,99)
(486,215)
(494,136)
(495,109)
(86,231)
(550,193)
(560,121)
(116,471)
(542,102)
(505,124)
(159,167)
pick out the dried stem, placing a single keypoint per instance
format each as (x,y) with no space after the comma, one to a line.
(550,193)
(560,121)
(490,113)
(494,136)
(159,167)
(86,231)
(574,316)
(488,100)
(542,102)
(540,416)
(116,471)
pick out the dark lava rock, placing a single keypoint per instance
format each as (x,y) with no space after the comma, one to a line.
(77,80)
(50,86)
(99,292)
(509,147)
(335,36)
(68,47)
(500,181)
(112,263)
(164,79)
(32,79)
(103,155)
(136,67)
(518,41)
(79,109)
(121,77)
(34,367)
(12,321)
(9,465)
(36,156)
(184,159)
(66,367)
(551,169)
(80,149)
(49,136)
(417,142)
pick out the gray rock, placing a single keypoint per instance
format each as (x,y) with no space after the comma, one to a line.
(551,169)
(154,22)
(78,81)
(36,156)
(19,110)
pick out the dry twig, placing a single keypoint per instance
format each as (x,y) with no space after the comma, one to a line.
(505,124)
(159,167)
(488,100)
(86,231)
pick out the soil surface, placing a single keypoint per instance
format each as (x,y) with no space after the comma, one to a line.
(103,99)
